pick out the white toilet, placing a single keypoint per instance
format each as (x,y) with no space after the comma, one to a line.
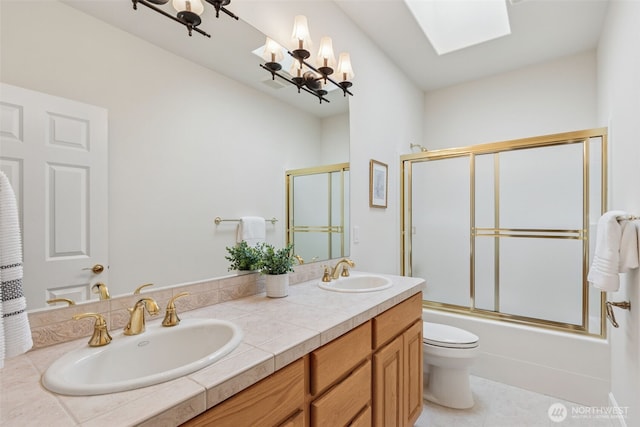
(448,353)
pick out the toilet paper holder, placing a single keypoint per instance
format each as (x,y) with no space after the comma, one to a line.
(625,305)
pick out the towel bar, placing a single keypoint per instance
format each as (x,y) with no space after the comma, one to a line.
(627,217)
(218,220)
(626,305)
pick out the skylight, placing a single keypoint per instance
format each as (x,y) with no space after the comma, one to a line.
(451,25)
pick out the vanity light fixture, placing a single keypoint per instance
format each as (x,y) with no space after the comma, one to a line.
(302,74)
(187,11)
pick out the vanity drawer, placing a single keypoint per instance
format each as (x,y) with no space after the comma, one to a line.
(395,320)
(334,360)
(266,403)
(344,401)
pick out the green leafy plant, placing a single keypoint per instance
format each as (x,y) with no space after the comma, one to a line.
(243,257)
(275,261)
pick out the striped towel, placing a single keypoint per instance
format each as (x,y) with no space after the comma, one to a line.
(15,334)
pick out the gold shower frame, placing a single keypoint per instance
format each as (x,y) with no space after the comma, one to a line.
(583,137)
(329,229)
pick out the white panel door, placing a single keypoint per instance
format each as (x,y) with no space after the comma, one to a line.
(54,152)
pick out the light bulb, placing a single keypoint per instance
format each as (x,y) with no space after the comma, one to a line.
(300,35)
(193,6)
(345,71)
(272,51)
(326,60)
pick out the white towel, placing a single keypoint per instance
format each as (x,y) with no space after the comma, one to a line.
(605,266)
(251,229)
(629,257)
(15,334)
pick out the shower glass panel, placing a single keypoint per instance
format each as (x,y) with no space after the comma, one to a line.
(485,273)
(502,230)
(441,190)
(541,188)
(541,278)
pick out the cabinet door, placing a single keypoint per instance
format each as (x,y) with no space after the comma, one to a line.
(388,384)
(412,348)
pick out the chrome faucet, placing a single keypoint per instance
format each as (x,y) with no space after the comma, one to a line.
(136,321)
(344,262)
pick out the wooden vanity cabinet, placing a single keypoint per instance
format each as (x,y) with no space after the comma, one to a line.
(397,364)
(278,400)
(371,375)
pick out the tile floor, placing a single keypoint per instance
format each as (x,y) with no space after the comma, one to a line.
(500,405)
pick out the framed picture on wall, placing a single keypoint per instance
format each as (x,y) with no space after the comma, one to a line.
(378,182)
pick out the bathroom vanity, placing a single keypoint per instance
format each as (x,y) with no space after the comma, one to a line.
(371,375)
(314,358)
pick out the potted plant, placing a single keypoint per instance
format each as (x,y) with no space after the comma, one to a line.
(243,257)
(276,265)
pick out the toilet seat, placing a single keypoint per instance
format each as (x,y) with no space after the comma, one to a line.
(447,336)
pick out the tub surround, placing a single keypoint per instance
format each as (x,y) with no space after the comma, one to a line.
(277,332)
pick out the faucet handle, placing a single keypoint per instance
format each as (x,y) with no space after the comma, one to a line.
(171,316)
(100,335)
(345,271)
(326,276)
(139,288)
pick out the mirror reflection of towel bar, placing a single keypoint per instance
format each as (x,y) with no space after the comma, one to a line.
(626,305)
(218,220)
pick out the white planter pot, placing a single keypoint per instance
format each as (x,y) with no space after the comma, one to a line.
(277,285)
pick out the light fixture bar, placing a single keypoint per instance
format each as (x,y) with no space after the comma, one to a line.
(162,12)
(324,77)
(299,86)
(217,4)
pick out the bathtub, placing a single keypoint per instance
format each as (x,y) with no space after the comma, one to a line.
(559,364)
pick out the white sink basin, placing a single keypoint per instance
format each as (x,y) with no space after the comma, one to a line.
(157,355)
(357,282)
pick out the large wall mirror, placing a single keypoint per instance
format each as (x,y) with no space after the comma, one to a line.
(196,130)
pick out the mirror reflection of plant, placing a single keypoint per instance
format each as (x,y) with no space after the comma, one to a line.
(275,261)
(243,257)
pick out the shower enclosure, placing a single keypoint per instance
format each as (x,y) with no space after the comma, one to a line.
(501,230)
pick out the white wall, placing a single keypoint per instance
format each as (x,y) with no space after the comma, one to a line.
(385,118)
(548,98)
(335,139)
(181,148)
(619,108)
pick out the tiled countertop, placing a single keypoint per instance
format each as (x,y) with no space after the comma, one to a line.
(276,332)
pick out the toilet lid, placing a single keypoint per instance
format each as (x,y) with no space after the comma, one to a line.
(447,336)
